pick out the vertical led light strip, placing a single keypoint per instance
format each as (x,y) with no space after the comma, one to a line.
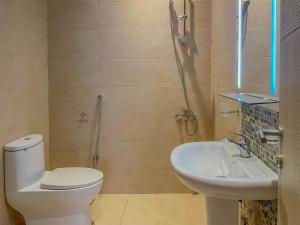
(274,49)
(240,45)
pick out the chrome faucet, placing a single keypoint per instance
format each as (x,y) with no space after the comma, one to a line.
(244,145)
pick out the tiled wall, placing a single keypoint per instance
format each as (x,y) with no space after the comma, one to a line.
(224,80)
(23,77)
(224,65)
(257,51)
(124,50)
(289,192)
(253,119)
(256,74)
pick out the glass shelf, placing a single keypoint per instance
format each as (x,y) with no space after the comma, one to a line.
(250,98)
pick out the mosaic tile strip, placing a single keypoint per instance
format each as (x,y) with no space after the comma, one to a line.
(253,119)
(258,212)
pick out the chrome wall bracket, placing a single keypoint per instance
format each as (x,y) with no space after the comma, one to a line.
(183,17)
(83,116)
(266,136)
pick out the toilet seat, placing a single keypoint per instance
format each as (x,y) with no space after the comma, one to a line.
(70,178)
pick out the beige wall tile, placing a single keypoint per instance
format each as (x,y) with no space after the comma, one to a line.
(257,71)
(73,100)
(258,14)
(72,130)
(129,181)
(257,54)
(70,73)
(131,99)
(199,45)
(155,72)
(124,51)
(159,99)
(23,80)
(131,72)
(73,14)
(148,127)
(258,47)
(127,14)
(73,44)
(126,155)
(224,66)
(167,182)
(198,10)
(131,44)
(200,17)
(17,18)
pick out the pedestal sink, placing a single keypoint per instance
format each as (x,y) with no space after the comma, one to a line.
(217,170)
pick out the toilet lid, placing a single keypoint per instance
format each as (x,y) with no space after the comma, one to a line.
(70,178)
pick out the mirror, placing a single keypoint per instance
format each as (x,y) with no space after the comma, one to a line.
(257,67)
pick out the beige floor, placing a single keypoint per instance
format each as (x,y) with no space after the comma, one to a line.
(149,209)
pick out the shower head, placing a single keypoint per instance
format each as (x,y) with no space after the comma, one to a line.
(183,40)
(245,7)
(244,20)
(246,3)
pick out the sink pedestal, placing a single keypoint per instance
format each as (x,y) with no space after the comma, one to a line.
(221,211)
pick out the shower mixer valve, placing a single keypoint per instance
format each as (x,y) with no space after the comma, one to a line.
(184,114)
(190,121)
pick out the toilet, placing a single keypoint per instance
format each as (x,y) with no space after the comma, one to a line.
(58,197)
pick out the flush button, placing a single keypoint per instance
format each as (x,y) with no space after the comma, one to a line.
(27,138)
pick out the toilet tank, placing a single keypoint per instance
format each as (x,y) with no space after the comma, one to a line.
(24,162)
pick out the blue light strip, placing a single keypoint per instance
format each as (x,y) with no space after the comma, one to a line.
(274,49)
(240,45)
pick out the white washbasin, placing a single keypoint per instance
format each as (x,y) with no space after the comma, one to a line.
(217,170)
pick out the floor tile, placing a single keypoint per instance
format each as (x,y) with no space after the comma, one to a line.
(196,210)
(109,209)
(172,209)
(149,209)
(140,209)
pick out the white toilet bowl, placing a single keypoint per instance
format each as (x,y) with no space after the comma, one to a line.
(58,197)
